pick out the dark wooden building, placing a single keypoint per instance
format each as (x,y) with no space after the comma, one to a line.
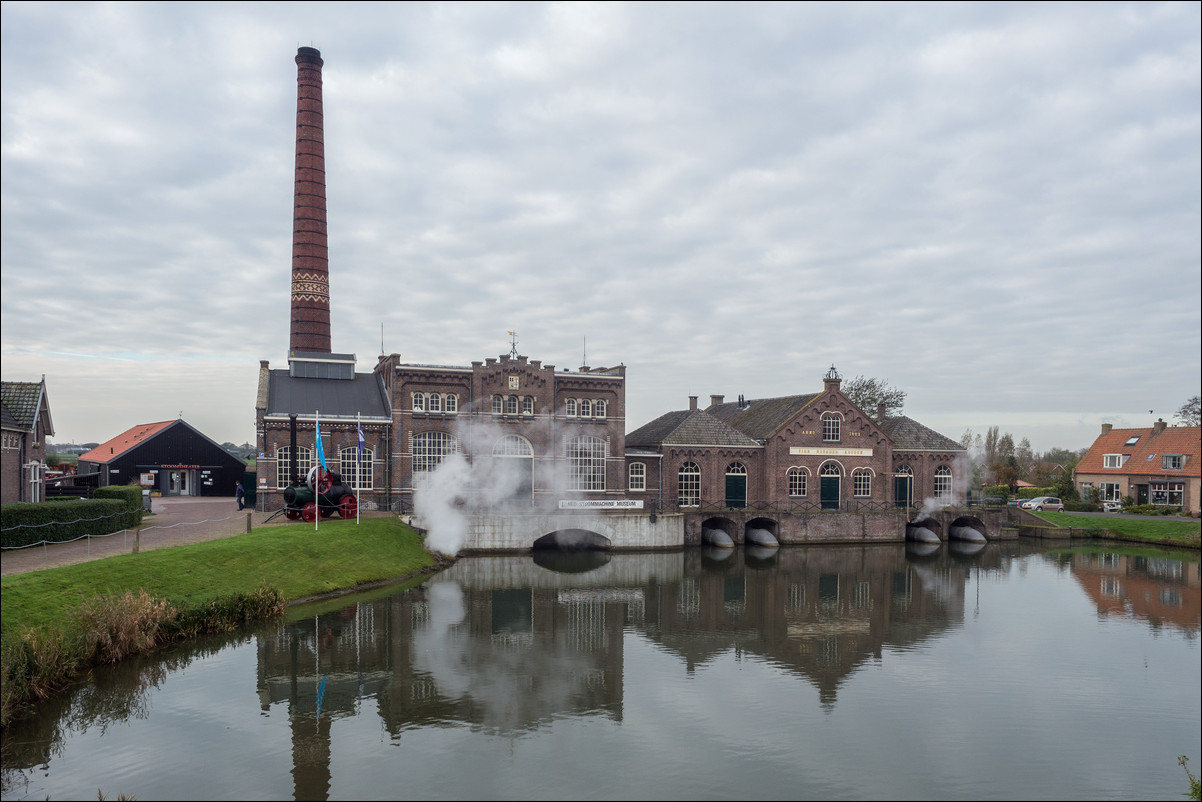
(169,456)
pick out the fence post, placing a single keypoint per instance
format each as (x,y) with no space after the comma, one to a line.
(248,523)
(137,540)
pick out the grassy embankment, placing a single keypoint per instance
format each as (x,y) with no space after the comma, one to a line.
(1151,529)
(60,621)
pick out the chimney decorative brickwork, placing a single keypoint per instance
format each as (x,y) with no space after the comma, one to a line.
(310,329)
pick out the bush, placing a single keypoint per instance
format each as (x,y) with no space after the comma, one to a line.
(25,523)
(131,494)
(996,491)
(1035,492)
(1081,506)
(1151,509)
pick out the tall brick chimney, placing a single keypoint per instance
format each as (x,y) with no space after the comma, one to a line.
(310,330)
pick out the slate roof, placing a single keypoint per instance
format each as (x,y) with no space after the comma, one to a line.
(687,427)
(758,418)
(364,395)
(1142,455)
(135,436)
(910,435)
(21,403)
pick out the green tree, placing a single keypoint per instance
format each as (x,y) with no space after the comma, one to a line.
(868,394)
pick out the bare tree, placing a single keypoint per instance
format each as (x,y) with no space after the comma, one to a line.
(1190,414)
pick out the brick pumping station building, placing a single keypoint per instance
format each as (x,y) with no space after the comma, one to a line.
(559,434)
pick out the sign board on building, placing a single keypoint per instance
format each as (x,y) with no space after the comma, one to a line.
(810,451)
(601,504)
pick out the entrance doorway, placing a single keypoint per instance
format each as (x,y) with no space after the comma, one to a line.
(829,485)
(736,486)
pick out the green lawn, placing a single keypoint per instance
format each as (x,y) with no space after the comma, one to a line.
(1152,528)
(294,559)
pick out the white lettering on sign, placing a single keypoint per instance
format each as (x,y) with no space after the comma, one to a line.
(809,451)
(601,504)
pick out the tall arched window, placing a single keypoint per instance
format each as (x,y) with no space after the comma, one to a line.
(570,408)
(452,404)
(283,464)
(498,405)
(356,472)
(435,402)
(419,402)
(688,485)
(798,481)
(586,463)
(528,405)
(512,445)
(586,408)
(831,425)
(511,405)
(599,408)
(431,448)
(861,482)
(943,482)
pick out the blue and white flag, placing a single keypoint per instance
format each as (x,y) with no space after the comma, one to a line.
(362,443)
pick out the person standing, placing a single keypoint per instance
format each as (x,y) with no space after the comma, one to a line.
(240,494)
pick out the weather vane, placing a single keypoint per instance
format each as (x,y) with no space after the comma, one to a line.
(513,344)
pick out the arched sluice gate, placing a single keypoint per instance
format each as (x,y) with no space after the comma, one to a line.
(573,540)
(968,528)
(761,532)
(718,532)
(924,530)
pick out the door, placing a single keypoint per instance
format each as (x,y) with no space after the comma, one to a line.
(903,491)
(829,492)
(736,491)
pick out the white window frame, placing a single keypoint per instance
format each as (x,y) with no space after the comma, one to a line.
(570,408)
(283,463)
(429,449)
(452,404)
(528,405)
(511,405)
(419,402)
(1172,462)
(637,477)
(688,485)
(1111,491)
(861,482)
(586,463)
(498,405)
(359,477)
(943,482)
(586,408)
(799,482)
(1113,460)
(599,408)
(434,403)
(832,427)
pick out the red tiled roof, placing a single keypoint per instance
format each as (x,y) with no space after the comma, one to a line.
(107,452)
(1143,456)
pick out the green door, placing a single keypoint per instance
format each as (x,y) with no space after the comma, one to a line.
(736,491)
(829,492)
(902,491)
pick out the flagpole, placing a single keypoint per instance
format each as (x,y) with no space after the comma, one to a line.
(317,472)
(359,483)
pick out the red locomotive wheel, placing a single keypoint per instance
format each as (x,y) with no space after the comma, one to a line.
(292,515)
(348,507)
(309,513)
(320,480)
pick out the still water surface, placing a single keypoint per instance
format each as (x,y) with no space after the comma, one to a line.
(1012,672)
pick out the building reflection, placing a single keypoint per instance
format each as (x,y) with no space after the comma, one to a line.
(505,644)
(1164,592)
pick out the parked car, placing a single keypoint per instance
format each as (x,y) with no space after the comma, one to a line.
(1041,503)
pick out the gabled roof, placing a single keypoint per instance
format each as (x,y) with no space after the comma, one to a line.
(758,418)
(687,427)
(109,451)
(1141,447)
(910,435)
(22,403)
(364,395)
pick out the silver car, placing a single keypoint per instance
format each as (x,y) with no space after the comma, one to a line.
(1041,503)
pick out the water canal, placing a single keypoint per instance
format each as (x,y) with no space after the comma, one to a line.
(1009,672)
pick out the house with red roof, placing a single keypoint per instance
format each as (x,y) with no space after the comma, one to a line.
(1159,465)
(169,456)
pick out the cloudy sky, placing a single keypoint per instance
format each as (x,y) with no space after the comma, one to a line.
(993,207)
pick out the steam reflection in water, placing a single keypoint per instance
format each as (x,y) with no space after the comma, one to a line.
(844,671)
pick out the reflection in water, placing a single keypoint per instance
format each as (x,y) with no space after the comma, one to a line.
(507,645)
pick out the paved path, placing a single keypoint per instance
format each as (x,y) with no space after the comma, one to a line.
(174,521)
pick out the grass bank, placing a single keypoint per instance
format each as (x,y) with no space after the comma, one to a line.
(59,622)
(1153,529)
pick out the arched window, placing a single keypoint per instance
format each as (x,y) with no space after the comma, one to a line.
(512,445)
(419,402)
(435,402)
(570,408)
(599,409)
(637,477)
(798,484)
(831,469)
(586,463)
(452,404)
(688,485)
(283,464)
(431,448)
(861,482)
(831,425)
(943,482)
(511,405)
(498,406)
(586,408)
(356,472)
(528,405)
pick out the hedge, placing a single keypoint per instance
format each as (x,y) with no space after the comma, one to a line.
(25,523)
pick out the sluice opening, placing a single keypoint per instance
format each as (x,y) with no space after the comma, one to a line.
(761,532)
(924,530)
(716,532)
(967,528)
(572,540)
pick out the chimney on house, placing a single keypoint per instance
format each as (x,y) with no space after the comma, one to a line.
(1106,427)
(1158,427)
(880,411)
(715,400)
(310,329)
(692,403)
